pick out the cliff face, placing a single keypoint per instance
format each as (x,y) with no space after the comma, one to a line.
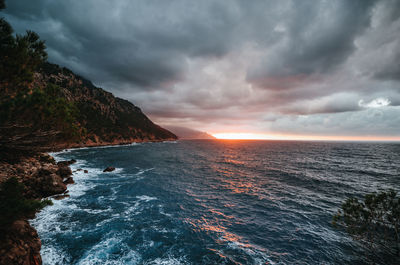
(105,118)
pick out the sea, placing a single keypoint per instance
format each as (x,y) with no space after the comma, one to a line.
(215,202)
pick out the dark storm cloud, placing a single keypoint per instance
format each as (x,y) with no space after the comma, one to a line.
(144,44)
(391,71)
(221,62)
(319,38)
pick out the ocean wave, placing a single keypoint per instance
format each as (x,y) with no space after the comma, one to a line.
(167,261)
(110,251)
(211,203)
(52,255)
(145,198)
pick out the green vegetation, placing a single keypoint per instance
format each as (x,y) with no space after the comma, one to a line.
(374,222)
(24,103)
(13,205)
(20,56)
(43,109)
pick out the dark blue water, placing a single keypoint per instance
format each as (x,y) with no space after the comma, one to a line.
(214,202)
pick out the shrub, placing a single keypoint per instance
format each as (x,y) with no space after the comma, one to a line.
(13,205)
(41,109)
(20,56)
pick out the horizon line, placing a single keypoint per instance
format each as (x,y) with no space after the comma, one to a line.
(289,137)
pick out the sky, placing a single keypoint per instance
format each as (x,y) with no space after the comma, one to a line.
(314,69)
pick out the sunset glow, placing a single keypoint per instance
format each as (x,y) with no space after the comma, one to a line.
(244,136)
(260,136)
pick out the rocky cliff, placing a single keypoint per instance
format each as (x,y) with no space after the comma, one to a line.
(107,119)
(40,176)
(47,107)
(60,109)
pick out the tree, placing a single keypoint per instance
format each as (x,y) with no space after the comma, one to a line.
(30,111)
(41,109)
(20,57)
(374,222)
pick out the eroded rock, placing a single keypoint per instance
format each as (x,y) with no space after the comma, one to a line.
(64,171)
(69,180)
(109,169)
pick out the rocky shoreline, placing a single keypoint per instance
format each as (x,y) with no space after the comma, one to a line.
(42,177)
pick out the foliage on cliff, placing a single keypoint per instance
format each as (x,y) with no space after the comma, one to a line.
(27,110)
(13,205)
(374,221)
(105,118)
(40,109)
(20,57)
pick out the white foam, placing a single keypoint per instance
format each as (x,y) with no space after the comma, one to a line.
(145,198)
(102,253)
(47,220)
(132,210)
(53,256)
(97,211)
(143,171)
(163,229)
(169,142)
(161,210)
(166,261)
(258,256)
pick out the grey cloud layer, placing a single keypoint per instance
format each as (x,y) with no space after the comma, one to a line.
(208,63)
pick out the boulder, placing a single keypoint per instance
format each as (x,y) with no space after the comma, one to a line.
(109,169)
(66,163)
(64,171)
(46,158)
(69,180)
(45,183)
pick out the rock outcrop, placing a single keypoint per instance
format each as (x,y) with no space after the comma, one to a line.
(20,245)
(109,169)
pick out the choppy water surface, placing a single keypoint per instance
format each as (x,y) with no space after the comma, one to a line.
(213,202)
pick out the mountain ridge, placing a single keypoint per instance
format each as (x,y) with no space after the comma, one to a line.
(188,133)
(100,118)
